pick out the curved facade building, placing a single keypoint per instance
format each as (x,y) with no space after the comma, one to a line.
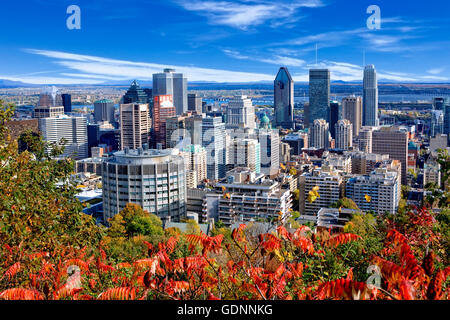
(154,179)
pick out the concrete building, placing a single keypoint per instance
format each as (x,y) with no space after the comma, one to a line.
(244,153)
(297,141)
(382,186)
(364,139)
(153,179)
(72,129)
(47,111)
(174,84)
(344,134)
(241,113)
(319,135)
(352,111)
(213,132)
(248,197)
(394,142)
(331,189)
(195,164)
(134,125)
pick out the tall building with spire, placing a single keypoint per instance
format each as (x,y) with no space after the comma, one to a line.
(174,84)
(284,99)
(370,97)
(319,95)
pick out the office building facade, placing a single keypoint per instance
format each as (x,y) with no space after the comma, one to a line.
(319,95)
(284,99)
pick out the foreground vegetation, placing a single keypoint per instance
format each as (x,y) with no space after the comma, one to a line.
(51,250)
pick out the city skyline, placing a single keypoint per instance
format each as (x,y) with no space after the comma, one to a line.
(222,41)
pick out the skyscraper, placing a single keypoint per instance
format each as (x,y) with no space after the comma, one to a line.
(344,134)
(319,134)
(335,116)
(104,111)
(319,94)
(394,142)
(284,99)
(163,109)
(352,111)
(195,103)
(72,129)
(365,139)
(241,113)
(213,132)
(134,125)
(67,102)
(370,97)
(175,84)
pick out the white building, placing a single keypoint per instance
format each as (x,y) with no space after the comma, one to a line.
(344,134)
(153,179)
(72,129)
(244,153)
(241,113)
(134,125)
(319,135)
(195,164)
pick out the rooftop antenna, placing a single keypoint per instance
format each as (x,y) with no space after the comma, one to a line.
(316,56)
(364,58)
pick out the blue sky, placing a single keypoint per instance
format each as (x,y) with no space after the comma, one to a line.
(222,40)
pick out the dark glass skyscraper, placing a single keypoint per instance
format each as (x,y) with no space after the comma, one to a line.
(335,116)
(284,99)
(135,94)
(67,102)
(319,94)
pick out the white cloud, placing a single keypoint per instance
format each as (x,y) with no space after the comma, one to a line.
(246,13)
(435,71)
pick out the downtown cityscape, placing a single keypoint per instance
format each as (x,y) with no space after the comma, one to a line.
(261,169)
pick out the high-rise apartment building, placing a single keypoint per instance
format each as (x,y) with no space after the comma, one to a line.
(195,163)
(174,84)
(381,186)
(352,111)
(330,185)
(241,113)
(251,197)
(153,179)
(72,129)
(284,99)
(344,134)
(213,132)
(370,97)
(104,111)
(244,153)
(319,94)
(394,142)
(319,136)
(134,125)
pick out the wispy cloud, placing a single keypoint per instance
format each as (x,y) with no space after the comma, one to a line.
(85,69)
(435,71)
(275,59)
(245,13)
